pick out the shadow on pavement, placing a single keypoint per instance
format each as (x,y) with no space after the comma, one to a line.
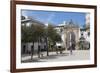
(31,60)
(54,56)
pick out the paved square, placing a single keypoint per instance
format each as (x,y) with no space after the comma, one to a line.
(53,56)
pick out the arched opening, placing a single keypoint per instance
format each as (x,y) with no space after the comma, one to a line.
(70,41)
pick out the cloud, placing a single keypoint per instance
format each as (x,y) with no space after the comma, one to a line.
(51,16)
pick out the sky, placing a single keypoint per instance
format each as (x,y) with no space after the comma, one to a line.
(55,17)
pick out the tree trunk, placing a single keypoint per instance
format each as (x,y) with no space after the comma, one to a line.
(56,50)
(32,51)
(39,48)
(47,46)
(38,51)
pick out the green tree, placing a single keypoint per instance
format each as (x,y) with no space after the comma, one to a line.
(53,37)
(39,34)
(32,33)
(57,38)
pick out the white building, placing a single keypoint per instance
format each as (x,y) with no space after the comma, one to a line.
(65,30)
(26,47)
(85,32)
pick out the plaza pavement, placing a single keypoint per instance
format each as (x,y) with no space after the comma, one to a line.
(53,56)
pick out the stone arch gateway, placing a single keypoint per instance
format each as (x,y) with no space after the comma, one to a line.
(70,40)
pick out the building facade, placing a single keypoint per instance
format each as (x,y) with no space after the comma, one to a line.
(70,34)
(26,47)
